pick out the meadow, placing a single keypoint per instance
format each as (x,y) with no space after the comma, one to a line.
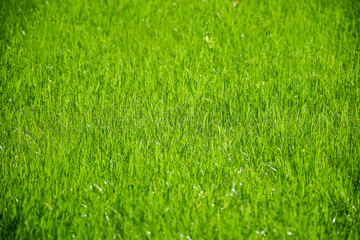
(190,119)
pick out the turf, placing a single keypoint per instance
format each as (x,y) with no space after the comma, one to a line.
(180,119)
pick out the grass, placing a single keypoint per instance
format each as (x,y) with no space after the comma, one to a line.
(180,119)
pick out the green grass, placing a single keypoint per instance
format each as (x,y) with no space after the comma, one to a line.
(180,119)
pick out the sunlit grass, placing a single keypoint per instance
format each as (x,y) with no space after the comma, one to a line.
(180,119)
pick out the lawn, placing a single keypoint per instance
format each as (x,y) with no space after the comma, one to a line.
(180,119)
